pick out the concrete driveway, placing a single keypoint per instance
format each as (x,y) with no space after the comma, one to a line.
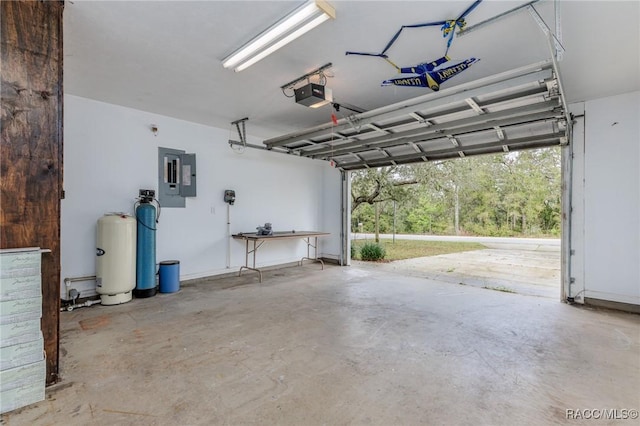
(519,265)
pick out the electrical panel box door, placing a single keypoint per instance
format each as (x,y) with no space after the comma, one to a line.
(188,182)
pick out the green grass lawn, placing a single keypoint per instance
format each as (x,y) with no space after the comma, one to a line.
(409,249)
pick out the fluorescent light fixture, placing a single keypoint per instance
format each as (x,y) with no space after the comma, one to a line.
(286,40)
(292,26)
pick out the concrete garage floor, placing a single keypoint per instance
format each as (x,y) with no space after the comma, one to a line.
(352,345)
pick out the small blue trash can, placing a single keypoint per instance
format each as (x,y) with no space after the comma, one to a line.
(169,276)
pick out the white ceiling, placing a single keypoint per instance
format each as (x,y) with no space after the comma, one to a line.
(165,57)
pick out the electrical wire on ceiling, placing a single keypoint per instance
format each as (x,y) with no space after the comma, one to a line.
(322,75)
(319,73)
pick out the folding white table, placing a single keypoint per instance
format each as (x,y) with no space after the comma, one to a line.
(258,240)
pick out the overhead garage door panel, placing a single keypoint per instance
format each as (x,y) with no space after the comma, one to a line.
(515,110)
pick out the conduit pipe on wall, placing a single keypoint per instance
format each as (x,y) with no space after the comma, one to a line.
(228,237)
(69,280)
(67,283)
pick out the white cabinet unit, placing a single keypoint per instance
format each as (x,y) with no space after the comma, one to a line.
(22,365)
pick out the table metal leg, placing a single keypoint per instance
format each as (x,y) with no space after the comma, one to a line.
(246,259)
(315,247)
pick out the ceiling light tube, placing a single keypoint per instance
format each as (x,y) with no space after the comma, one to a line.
(288,39)
(271,34)
(317,10)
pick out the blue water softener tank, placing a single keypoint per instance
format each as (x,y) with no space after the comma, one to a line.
(169,276)
(146,246)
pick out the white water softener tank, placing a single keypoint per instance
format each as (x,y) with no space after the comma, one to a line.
(116,258)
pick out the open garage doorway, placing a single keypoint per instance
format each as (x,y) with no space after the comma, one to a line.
(515,111)
(491,221)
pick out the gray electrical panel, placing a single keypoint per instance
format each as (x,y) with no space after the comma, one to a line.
(176,177)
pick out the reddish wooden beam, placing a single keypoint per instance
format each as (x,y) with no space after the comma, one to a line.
(31,150)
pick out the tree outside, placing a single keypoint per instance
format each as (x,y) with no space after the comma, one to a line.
(512,194)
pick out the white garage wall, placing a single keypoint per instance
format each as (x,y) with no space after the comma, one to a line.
(110,153)
(609,218)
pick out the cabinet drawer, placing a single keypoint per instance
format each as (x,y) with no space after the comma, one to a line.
(21,354)
(22,376)
(19,332)
(17,397)
(12,288)
(19,263)
(20,310)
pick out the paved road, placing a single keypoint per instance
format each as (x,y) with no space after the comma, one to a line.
(499,243)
